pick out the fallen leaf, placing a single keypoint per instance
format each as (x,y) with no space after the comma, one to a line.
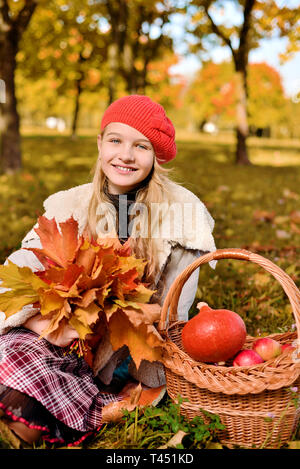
(263,215)
(223,188)
(261,279)
(294,444)
(103,353)
(10,304)
(151,396)
(151,311)
(175,440)
(129,263)
(88,315)
(124,283)
(294,228)
(295,216)
(282,234)
(288,194)
(229,232)
(281,219)
(82,329)
(135,394)
(8,436)
(214,445)
(114,411)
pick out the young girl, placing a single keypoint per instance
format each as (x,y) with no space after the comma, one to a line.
(46,392)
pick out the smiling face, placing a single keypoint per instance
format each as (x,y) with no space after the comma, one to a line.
(127,157)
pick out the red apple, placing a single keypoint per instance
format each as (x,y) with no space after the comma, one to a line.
(287,348)
(267,348)
(247,358)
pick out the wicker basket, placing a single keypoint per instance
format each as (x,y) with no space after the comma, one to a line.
(257,404)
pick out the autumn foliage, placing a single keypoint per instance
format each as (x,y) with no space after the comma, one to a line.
(93,285)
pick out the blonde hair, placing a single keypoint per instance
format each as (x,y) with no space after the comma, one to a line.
(156,190)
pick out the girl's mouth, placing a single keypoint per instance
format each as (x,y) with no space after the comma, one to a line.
(124,169)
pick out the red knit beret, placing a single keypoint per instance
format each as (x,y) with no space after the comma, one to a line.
(149,118)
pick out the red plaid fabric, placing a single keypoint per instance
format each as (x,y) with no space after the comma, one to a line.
(62,383)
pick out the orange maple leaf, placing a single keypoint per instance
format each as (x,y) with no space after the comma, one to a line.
(63,279)
(142,340)
(58,247)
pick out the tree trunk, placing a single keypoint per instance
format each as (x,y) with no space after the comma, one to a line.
(76,108)
(113,65)
(241,148)
(241,60)
(242,127)
(10,151)
(128,69)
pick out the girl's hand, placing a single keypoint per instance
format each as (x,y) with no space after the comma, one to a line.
(61,338)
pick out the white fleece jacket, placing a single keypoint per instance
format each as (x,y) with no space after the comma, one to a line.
(181,240)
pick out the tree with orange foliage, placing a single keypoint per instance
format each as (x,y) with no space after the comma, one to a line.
(71,50)
(257,20)
(166,88)
(212,96)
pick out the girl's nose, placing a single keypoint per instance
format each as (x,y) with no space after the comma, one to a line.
(127,153)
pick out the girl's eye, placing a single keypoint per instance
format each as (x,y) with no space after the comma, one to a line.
(143,147)
(115,140)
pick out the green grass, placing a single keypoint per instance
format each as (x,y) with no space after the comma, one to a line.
(254,207)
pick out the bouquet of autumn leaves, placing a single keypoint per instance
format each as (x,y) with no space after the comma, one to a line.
(93,285)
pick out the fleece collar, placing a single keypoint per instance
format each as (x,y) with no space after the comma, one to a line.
(186,222)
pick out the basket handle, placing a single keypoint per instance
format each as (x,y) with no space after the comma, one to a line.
(172,298)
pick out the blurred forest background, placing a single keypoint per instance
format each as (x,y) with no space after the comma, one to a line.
(238,127)
(62,62)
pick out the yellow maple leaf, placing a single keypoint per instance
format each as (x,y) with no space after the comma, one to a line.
(83,318)
(131,262)
(24,288)
(11,304)
(14,277)
(88,315)
(82,329)
(50,301)
(141,294)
